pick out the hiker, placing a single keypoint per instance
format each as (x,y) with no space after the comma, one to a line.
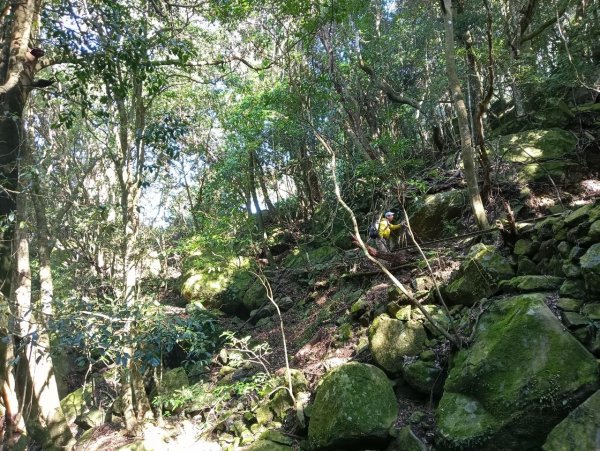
(387,240)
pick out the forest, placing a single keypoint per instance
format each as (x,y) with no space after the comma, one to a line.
(194,253)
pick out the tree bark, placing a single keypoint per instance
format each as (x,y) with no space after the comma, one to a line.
(36,385)
(463,118)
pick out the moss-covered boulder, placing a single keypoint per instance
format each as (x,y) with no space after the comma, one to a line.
(354,406)
(531,283)
(590,268)
(423,376)
(478,275)
(538,153)
(76,403)
(204,277)
(434,211)
(520,377)
(391,340)
(580,430)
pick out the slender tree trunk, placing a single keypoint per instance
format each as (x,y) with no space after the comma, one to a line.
(36,385)
(463,119)
(259,216)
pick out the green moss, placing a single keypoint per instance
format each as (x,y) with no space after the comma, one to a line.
(579,431)
(391,340)
(354,404)
(522,371)
(531,283)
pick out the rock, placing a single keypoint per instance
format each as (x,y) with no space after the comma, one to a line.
(564,248)
(478,275)
(522,374)
(590,268)
(592,311)
(267,445)
(569,304)
(580,430)
(255,296)
(571,270)
(435,211)
(404,314)
(526,267)
(531,284)
(76,403)
(540,153)
(545,229)
(358,308)
(277,437)
(355,405)
(578,216)
(578,234)
(91,419)
(391,340)
(408,441)
(206,280)
(573,288)
(310,258)
(423,283)
(594,232)
(576,253)
(423,376)
(574,320)
(524,247)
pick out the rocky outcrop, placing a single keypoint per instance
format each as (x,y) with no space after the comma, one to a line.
(513,385)
(355,406)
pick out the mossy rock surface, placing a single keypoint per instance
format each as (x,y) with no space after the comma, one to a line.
(267,445)
(539,153)
(590,268)
(408,441)
(520,377)
(531,283)
(391,340)
(309,258)
(580,430)
(355,406)
(478,275)
(424,376)
(436,210)
(76,402)
(203,277)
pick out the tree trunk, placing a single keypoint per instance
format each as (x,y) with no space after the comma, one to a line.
(463,119)
(259,217)
(36,386)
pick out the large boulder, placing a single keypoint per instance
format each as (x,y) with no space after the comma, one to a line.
(355,406)
(537,154)
(522,375)
(478,276)
(580,430)
(392,340)
(434,211)
(217,284)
